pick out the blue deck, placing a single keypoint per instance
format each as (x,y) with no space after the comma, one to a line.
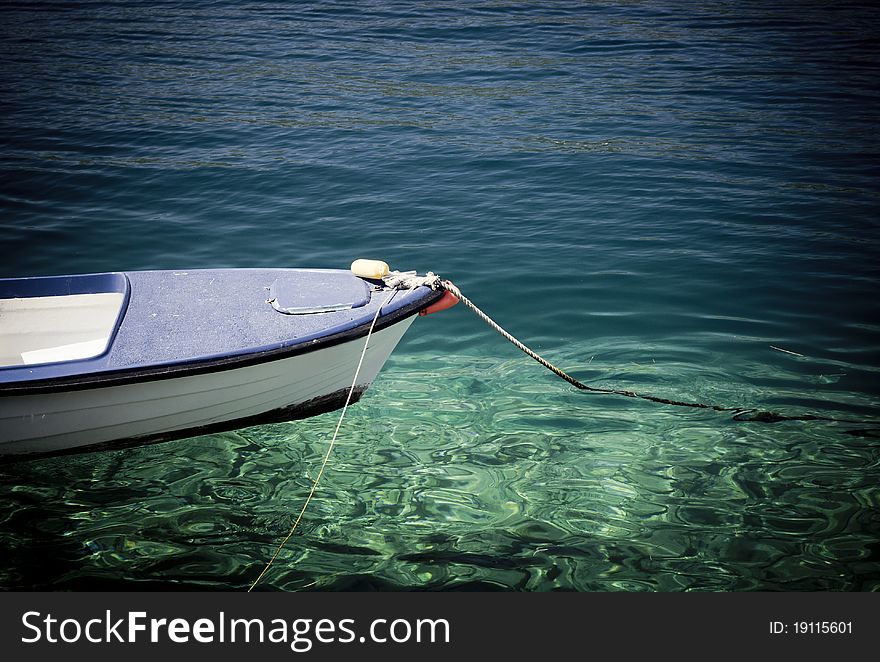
(176,318)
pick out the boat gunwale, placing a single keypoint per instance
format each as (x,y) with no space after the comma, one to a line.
(208,365)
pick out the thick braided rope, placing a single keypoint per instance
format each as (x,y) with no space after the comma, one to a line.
(451,287)
(411,280)
(740,413)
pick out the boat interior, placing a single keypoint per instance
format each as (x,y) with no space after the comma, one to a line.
(57,319)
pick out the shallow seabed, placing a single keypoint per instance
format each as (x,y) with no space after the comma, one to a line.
(653,195)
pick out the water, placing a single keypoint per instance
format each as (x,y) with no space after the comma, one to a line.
(650,194)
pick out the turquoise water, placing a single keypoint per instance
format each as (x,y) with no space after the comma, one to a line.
(653,195)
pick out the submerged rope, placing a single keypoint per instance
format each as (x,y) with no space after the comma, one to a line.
(745,414)
(357,372)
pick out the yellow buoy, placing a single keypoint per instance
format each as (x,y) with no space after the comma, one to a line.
(374,269)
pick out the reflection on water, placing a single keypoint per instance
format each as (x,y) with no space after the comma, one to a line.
(467,472)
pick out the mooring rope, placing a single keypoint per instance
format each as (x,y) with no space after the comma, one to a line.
(748,414)
(357,373)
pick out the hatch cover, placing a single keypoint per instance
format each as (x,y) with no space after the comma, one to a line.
(317,292)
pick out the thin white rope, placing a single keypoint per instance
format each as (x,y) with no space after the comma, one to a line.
(357,373)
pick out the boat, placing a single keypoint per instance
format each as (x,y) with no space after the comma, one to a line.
(108,360)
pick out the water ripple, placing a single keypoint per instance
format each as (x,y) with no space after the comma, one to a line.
(657,200)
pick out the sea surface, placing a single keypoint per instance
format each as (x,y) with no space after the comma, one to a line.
(676,198)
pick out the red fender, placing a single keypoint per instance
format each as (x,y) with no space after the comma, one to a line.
(448,300)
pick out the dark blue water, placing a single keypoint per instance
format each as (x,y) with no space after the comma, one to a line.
(654,195)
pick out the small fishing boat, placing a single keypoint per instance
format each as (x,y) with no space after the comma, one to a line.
(113,359)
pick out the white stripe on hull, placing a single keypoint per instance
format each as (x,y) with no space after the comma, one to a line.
(71,419)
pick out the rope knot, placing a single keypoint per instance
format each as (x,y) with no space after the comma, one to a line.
(409,280)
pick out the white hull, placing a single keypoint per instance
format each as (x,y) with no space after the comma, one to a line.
(58,421)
